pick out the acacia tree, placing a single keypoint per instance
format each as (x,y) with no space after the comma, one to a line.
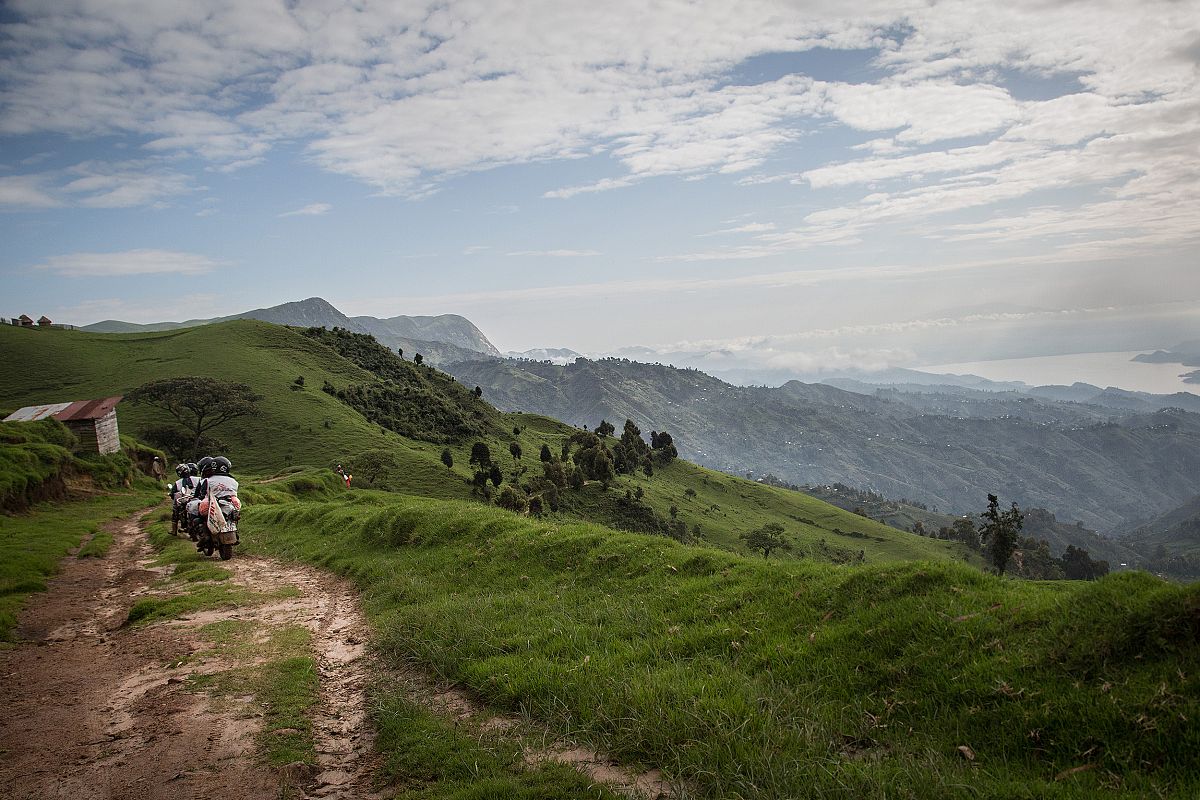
(999,532)
(767,538)
(197,403)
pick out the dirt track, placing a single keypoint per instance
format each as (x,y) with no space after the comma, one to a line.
(92,709)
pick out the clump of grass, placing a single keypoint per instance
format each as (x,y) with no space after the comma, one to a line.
(433,759)
(98,546)
(280,672)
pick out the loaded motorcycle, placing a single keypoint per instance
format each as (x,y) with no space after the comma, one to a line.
(217,526)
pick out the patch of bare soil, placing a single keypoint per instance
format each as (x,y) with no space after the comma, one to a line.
(92,709)
(89,709)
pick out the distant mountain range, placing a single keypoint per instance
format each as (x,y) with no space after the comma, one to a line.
(1101,462)
(447,337)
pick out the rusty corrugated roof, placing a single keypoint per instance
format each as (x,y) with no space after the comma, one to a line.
(33,413)
(65,412)
(88,409)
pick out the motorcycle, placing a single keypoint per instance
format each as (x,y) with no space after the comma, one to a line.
(216,528)
(179,512)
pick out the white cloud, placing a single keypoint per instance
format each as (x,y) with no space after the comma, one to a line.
(405,96)
(310,210)
(130,262)
(96,184)
(556,253)
(749,227)
(26,191)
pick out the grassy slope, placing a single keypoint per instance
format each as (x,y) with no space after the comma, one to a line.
(47,366)
(54,366)
(31,545)
(768,679)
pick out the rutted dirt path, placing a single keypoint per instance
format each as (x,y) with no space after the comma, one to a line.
(91,709)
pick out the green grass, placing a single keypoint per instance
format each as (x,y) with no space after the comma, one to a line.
(769,679)
(432,760)
(33,544)
(98,546)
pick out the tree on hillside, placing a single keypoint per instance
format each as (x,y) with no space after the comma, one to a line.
(448,458)
(1000,531)
(515,450)
(480,455)
(374,464)
(513,498)
(546,455)
(663,446)
(418,358)
(1078,565)
(605,428)
(964,531)
(478,392)
(495,475)
(767,538)
(197,403)
(400,352)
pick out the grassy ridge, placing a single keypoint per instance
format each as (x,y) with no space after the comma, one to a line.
(763,679)
(307,426)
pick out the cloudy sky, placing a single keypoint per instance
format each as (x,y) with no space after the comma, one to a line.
(776,184)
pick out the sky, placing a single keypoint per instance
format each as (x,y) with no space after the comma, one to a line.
(788,186)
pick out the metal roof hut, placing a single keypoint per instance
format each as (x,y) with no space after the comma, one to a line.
(44,321)
(25,320)
(94,422)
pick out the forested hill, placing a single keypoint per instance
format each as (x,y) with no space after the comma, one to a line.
(1109,474)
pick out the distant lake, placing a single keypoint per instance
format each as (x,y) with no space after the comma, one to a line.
(1098,369)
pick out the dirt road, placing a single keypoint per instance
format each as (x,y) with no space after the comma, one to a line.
(90,708)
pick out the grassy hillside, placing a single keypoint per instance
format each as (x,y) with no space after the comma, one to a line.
(754,679)
(309,426)
(304,426)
